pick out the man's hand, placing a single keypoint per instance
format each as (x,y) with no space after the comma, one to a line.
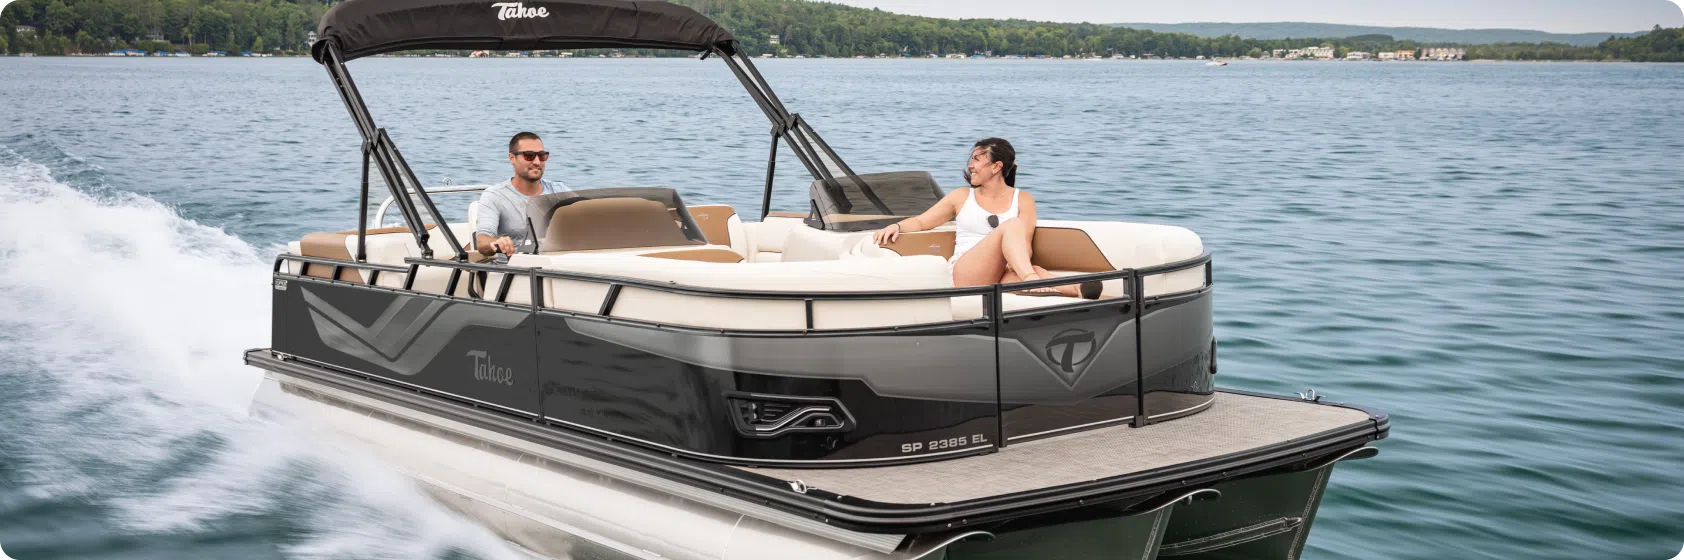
(502,245)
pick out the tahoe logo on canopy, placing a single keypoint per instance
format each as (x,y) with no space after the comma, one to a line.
(506,10)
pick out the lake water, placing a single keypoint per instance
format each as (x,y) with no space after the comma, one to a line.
(1493,254)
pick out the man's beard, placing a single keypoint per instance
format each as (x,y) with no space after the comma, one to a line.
(533,175)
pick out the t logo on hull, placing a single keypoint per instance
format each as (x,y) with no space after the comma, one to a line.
(1070,348)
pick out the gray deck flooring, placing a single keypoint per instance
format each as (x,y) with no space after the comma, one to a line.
(1235,423)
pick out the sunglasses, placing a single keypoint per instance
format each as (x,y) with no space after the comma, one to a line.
(540,156)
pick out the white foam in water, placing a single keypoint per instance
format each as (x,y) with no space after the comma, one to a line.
(121,384)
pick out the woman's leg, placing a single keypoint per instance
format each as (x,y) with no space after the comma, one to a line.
(1067,290)
(982,265)
(996,256)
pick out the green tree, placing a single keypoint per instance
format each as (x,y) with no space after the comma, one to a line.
(84,42)
(5,46)
(59,18)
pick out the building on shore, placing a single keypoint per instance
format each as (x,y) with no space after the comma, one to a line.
(1319,53)
(1385,55)
(1443,53)
(25,30)
(1406,55)
(1358,55)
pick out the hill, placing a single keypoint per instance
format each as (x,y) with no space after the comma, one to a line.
(801,27)
(1285,30)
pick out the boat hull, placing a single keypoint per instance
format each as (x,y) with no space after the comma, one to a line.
(560,504)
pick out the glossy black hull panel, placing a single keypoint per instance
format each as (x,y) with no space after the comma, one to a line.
(821,398)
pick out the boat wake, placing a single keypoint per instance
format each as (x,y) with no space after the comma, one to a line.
(122,396)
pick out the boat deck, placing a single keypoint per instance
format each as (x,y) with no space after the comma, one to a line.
(1237,423)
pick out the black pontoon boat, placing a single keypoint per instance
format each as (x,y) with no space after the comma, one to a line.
(669,380)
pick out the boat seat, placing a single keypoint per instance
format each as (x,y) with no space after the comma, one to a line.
(805,244)
(916,273)
(342,245)
(613,223)
(1081,247)
(721,225)
(766,238)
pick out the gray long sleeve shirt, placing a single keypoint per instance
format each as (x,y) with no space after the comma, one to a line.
(502,212)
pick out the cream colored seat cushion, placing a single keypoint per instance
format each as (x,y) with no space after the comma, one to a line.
(806,244)
(1132,245)
(913,273)
(766,238)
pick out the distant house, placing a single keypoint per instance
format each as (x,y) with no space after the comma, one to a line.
(1386,55)
(1358,55)
(26,30)
(1323,53)
(1443,53)
(1406,55)
(309,40)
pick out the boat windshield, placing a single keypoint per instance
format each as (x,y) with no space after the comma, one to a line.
(872,201)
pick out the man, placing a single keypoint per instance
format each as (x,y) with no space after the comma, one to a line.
(501,226)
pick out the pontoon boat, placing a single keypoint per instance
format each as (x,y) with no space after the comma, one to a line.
(663,379)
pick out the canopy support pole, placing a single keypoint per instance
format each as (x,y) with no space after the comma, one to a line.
(362,207)
(399,178)
(771,168)
(812,150)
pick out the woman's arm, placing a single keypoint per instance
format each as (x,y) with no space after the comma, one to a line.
(942,212)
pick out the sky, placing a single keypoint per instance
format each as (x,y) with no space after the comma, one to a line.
(1558,16)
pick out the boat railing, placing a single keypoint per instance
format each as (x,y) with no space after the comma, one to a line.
(992,294)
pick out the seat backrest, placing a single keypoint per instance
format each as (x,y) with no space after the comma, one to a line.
(613,223)
(721,225)
(1083,246)
(766,238)
(384,246)
(808,244)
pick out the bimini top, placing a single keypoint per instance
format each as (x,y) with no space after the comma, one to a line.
(368,27)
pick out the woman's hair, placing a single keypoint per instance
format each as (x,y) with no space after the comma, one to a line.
(1000,150)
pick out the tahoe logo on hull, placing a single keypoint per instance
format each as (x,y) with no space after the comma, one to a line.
(514,10)
(486,370)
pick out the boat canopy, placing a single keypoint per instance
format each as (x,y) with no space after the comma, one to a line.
(369,27)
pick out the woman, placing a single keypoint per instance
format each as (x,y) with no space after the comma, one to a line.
(996,224)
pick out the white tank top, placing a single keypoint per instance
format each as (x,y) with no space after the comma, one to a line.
(972,223)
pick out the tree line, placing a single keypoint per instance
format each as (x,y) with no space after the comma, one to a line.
(802,28)
(93,26)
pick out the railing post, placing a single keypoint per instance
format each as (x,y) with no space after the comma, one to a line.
(1137,292)
(994,306)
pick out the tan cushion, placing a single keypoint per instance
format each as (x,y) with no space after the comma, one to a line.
(611,223)
(329,246)
(938,243)
(703,255)
(1132,245)
(913,273)
(721,225)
